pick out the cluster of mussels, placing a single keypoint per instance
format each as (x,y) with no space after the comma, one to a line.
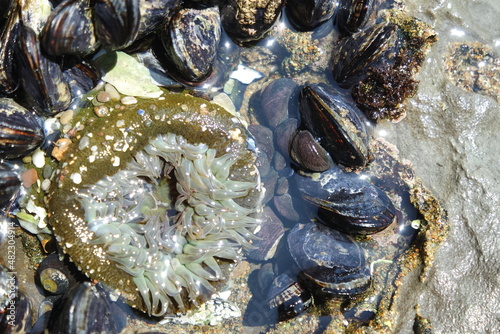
(158,200)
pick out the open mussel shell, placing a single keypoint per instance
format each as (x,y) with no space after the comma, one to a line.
(249,21)
(20,130)
(339,124)
(190,41)
(116,22)
(308,14)
(347,202)
(45,89)
(331,263)
(353,15)
(355,54)
(69,30)
(9,35)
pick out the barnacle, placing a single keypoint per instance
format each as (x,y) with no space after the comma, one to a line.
(159,201)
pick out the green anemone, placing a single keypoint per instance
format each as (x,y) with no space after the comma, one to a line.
(157,200)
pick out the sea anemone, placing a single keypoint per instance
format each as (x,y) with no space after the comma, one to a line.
(158,200)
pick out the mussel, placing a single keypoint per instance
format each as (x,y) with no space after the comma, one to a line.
(190,40)
(69,30)
(154,13)
(20,130)
(308,14)
(81,78)
(16,317)
(288,298)
(339,125)
(15,306)
(355,54)
(9,35)
(308,153)
(44,87)
(331,263)
(85,308)
(353,15)
(347,202)
(116,22)
(249,21)
(10,182)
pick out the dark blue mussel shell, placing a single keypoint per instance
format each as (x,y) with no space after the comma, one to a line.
(348,202)
(331,263)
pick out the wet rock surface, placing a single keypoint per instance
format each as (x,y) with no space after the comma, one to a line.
(451,136)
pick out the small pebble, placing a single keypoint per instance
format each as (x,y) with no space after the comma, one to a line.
(66,116)
(116,161)
(76,178)
(60,148)
(224,101)
(101,111)
(113,93)
(29,177)
(103,97)
(38,158)
(128,100)
(47,171)
(84,142)
(45,185)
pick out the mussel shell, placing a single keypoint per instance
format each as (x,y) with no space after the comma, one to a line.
(288,298)
(249,21)
(20,130)
(308,153)
(368,48)
(116,22)
(17,319)
(190,40)
(10,182)
(339,124)
(69,30)
(81,78)
(353,15)
(9,35)
(154,13)
(331,263)
(83,309)
(348,202)
(308,14)
(45,89)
